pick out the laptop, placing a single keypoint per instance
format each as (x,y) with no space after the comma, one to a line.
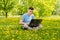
(35,22)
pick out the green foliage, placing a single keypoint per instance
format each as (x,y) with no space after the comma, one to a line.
(45,7)
(42,7)
(57,8)
(21,10)
(7,5)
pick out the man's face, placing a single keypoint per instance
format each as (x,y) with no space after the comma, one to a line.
(30,11)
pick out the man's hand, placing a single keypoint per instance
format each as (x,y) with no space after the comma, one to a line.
(25,25)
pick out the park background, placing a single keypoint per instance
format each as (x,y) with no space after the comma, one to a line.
(10,14)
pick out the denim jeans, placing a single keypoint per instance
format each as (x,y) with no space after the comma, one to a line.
(34,28)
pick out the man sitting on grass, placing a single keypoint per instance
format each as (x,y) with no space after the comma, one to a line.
(26,18)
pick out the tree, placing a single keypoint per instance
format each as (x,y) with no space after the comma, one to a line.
(7,5)
(45,7)
(42,7)
(57,8)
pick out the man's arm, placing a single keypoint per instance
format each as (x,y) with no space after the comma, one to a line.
(22,19)
(21,22)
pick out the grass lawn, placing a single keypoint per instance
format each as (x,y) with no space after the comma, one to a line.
(11,30)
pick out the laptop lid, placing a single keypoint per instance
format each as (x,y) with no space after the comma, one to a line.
(35,22)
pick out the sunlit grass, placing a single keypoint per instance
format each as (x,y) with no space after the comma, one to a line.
(11,30)
(52,18)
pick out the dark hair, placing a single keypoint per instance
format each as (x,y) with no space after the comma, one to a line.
(31,8)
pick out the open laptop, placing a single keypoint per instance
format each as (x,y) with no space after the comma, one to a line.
(35,22)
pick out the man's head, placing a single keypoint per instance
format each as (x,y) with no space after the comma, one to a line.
(30,10)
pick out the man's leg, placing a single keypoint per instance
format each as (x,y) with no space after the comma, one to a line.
(34,28)
(24,27)
(27,28)
(40,26)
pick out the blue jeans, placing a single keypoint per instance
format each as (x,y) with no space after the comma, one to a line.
(40,26)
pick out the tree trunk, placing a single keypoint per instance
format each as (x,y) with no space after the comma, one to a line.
(6,14)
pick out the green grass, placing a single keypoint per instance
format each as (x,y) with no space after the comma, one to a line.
(10,29)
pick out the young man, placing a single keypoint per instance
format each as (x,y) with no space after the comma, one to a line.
(26,18)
